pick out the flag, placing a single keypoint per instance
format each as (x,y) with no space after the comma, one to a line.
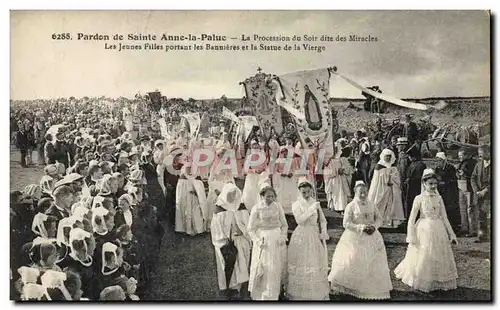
(410,105)
(246,125)
(163,128)
(229,115)
(305,94)
(261,96)
(194,122)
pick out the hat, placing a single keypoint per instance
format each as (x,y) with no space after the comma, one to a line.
(144,138)
(359,183)
(428,173)
(158,142)
(302,181)
(136,175)
(70,178)
(441,155)
(264,185)
(132,153)
(402,140)
(50,169)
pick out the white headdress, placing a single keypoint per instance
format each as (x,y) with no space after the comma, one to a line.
(383,154)
(97,203)
(66,222)
(79,234)
(28,274)
(33,291)
(222,199)
(55,279)
(111,248)
(38,227)
(99,212)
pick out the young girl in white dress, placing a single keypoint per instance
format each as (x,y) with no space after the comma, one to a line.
(359,263)
(268,229)
(307,253)
(429,264)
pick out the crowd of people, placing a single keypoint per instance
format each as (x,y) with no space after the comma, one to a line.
(92,227)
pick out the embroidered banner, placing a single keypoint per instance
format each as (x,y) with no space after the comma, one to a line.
(261,97)
(308,93)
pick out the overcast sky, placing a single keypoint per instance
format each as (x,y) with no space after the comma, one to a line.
(418,54)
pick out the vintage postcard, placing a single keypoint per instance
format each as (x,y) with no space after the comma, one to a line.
(250,155)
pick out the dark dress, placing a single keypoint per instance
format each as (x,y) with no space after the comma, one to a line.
(413,184)
(448,188)
(154,190)
(86,272)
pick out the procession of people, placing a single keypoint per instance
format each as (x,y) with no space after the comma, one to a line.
(92,228)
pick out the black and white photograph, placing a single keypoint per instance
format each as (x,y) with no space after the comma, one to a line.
(250,155)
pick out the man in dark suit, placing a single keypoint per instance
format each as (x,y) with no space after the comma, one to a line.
(22,140)
(468,213)
(480,182)
(63,200)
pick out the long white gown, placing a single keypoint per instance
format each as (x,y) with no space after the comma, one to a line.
(359,263)
(429,263)
(191,205)
(216,181)
(231,225)
(253,180)
(338,186)
(267,228)
(307,254)
(286,185)
(387,198)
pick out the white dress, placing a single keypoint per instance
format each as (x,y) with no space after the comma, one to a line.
(359,263)
(216,181)
(429,263)
(268,228)
(232,225)
(387,198)
(253,180)
(190,206)
(285,185)
(338,187)
(307,254)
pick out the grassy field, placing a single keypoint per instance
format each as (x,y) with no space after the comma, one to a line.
(186,269)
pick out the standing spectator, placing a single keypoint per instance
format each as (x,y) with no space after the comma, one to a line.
(448,189)
(467,212)
(39,137)
(480,181)
(22,140)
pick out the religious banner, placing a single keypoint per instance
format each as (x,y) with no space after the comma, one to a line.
(307,95)
(194,121)
(229,115)
(128,119)
(261,96)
